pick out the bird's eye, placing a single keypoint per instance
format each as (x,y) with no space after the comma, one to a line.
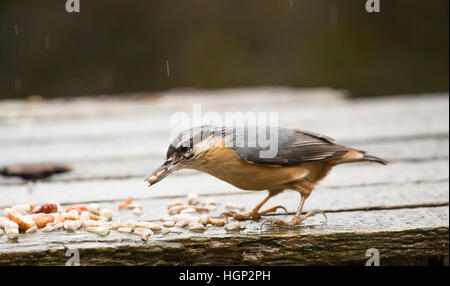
(182,150)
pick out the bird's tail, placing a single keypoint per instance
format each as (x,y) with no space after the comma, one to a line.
(353,155)
(371,158)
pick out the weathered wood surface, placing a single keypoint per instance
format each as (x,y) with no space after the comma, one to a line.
(343,239)
(113,144)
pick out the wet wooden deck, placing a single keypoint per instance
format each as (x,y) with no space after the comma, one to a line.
(112,144)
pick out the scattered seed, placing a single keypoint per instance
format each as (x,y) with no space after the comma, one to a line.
(55,225)
(125,229)
(72,215)
(134,205)
(192,199)
(188,211)
(234,225)
(209,203)
(32,229)
(100,230)
(189,218)
(41,219)
(116,225)
(92,223)
(181,223)
(72,225)
(196,226)
(9,225)
(169,205)
(126,203)
(12,233)
(178,208)
(204,219)
(24,222)
(169,223)
(7,211)
(141,231)
(94,208)
(78,208)
(148,225)
(130,224)
(106,213)
(171,230)
(94,217)
(230,205)
(137,211)
(46,208)
(22,209)
(220,222)
(48,228)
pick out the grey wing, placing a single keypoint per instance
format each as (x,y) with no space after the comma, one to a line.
(293,147)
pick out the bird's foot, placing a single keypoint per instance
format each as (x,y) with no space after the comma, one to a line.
(294,221)
(251,214)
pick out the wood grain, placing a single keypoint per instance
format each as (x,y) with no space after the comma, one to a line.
(112,144)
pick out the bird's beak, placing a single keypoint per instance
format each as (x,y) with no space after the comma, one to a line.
(164,170)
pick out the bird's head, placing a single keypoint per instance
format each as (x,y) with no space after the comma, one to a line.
(184,150)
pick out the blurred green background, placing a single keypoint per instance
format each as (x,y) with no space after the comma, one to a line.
(114,47)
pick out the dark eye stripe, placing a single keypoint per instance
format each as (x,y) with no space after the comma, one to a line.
(170,151)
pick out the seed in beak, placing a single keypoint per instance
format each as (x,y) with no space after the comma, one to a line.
(152,179)
(160,173)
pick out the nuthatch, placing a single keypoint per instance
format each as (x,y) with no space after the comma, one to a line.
(302,159)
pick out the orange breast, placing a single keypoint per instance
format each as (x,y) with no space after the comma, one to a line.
(224,164)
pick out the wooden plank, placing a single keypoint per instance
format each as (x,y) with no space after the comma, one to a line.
(155,148)
(115,143)
(344,239)
(118,189)
(85,167)
(376,117)
(326,199)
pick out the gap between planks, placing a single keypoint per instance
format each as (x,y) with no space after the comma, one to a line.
(19,182)
(156,206)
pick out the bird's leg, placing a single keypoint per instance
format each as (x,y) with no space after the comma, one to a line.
(298,218)
(254,214)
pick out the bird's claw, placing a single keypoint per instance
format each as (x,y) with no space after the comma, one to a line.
(313,213)
(294,221)
(274,209)
(251,214)
(280,222)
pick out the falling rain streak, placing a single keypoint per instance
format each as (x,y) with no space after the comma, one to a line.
(18,85)
(46,43)
(168,69)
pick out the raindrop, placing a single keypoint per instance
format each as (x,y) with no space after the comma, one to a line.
(46,43)
(168,69)
(333,14)
(107,79)
(18,84)
(16,30)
